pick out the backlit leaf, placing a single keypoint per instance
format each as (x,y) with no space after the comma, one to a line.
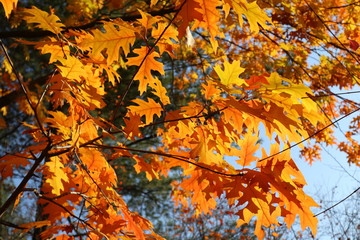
(55,175)
(9,6)
(148,64)
(146,108)
(116,35)
(43,20)
(229,76)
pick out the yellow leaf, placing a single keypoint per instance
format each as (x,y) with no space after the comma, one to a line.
(230,75)
(55,175)
(9,6)
(43,20)
(293,97)
(169,35)
(56,49)
(253,13)
(72,68)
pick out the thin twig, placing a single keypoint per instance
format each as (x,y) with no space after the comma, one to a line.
(25,91)
(331,32)
(12,225)
(67,210)
(337,203)
(177,157)
(25,180)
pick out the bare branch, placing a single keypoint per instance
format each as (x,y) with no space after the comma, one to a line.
(342,200)
(21,186)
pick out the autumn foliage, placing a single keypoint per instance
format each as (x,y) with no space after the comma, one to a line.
(211,80)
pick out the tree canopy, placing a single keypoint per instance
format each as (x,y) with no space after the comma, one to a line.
(188,86)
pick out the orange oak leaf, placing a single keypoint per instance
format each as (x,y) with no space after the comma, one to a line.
(146,20)
(147,63)
(146,108)
(55,175)
(9,6)
(210,21)
(210,90)
(160,91)
(8,163)
(43,20)
(56,49)
(117,34)
(37,224)
(248,147)
(189,12)
(72,68)
(169,35)
(132,124)
(142,166)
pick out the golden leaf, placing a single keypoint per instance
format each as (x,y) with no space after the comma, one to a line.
(9,6)
(147,109)
(43,20)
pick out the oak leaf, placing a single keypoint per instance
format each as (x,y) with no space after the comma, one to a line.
(249,145)
(147,63)
(229,76)
(56,49)
(210,21)
(146,108)
(37,224)
(210,90)
(8,163)
(146,20)
(189,12)
(9,6)
(160,91)
(55,175)
(252,12)
(168,34)
(116,35)
(149,168)
(43,20)
(132,124)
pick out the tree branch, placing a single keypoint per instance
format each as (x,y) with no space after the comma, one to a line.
(41,33)
(9,224)
(25,180)
(177,157)
(338,202)
(14,95)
